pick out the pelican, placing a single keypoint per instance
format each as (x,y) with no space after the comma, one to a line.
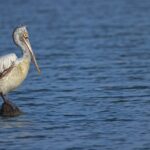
(13,70)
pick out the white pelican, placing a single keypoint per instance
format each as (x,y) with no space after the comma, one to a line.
(14,70)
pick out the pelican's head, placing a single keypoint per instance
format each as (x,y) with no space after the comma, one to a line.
(21,38)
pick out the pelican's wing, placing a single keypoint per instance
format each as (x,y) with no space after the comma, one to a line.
(6,63)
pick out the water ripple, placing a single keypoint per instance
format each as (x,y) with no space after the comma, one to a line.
(93,92)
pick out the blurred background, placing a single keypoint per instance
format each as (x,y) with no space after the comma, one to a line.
(94,90)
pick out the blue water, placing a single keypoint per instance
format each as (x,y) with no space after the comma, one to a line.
(94,90)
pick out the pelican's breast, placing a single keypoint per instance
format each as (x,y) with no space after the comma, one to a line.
(20,71)
(23,67)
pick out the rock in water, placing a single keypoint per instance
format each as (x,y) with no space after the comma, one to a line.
(8,109)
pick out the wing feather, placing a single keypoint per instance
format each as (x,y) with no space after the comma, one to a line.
(6,62)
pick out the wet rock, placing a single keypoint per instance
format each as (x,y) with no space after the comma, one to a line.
(8,109)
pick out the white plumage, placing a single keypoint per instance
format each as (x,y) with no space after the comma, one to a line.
(6,61)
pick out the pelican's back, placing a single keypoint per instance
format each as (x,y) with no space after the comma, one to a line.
(7,61)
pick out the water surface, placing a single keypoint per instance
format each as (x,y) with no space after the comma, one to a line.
(94,90)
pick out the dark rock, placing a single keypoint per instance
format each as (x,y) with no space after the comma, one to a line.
(8,109)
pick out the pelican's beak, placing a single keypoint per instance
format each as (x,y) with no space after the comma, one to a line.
(27,43)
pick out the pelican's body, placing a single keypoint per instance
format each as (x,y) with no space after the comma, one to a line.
(14,70)
(16,76)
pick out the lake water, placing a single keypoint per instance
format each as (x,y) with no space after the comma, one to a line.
(94,90)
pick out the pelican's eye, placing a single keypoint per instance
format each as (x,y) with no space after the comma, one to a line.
(25,35)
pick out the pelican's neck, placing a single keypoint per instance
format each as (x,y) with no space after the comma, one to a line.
(26,53)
